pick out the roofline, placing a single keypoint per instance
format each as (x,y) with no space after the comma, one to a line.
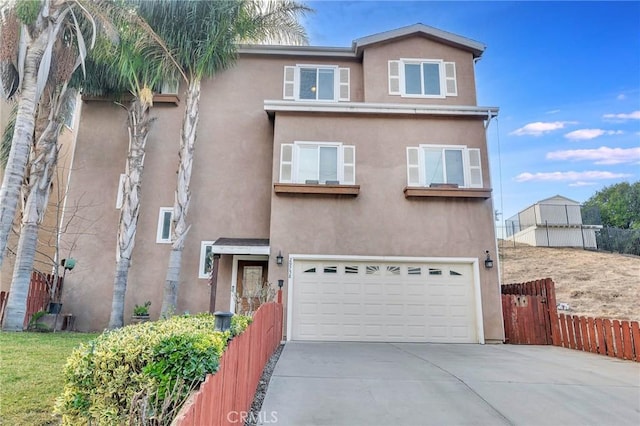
(273,106)
(359,45)
(555,196)
(475,47)
(277,50)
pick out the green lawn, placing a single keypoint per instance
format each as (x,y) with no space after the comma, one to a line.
(31,367)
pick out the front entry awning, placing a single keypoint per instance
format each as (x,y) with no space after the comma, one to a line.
(241,246)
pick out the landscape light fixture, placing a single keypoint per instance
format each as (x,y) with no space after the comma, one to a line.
(279,258)
(488,262)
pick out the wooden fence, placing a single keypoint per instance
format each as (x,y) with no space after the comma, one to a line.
(3,302)
(225,397)
(37,298)
(602,336)
(529,309)
(530,317)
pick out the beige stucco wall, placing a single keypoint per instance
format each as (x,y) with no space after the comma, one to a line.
(236,163)
(380,221)
(376,74)
(230,196)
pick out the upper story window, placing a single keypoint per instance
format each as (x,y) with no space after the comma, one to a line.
(170,87)
(434,165)
(328,83)
(330,163)
(422,78)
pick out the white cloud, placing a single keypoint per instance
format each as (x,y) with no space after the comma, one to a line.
(582,183)
(553,111)
(621,97)
(602,155)
(635,115)
(586,134)
(540,127)
(568,176)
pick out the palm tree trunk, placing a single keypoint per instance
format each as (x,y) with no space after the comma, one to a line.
(139,125)
(40,176)
(182,197)
(22,140)
(17,302)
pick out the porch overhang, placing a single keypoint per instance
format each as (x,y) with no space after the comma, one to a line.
(256,246)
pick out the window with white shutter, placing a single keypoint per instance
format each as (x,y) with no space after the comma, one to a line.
(321,163)
(450,79)
(286,162)
(422,78)
(413,166)
(435,165)
(345,77)
(349,164)
(475,168)
(394,78)
(328,83)
(289,90)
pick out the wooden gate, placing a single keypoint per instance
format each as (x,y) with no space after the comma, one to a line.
(530,315)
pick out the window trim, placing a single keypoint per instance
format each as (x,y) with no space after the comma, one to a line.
(169,87)
(403,86)
(466,165)
(295,161)
(400,78)
(160,228)
(202,273)
(338,84)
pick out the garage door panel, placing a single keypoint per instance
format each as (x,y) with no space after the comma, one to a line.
(384,301)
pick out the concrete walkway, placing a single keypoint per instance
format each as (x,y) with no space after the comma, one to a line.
(435,384)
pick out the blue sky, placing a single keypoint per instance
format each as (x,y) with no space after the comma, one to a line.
(565,75)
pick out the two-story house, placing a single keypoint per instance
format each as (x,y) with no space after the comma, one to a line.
(357,178)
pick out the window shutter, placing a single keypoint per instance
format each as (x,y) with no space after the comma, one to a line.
(394,77)
(349,164)
(344,74)
(288,91)
(450,78)
(413,166)
(475,168)
(286,163)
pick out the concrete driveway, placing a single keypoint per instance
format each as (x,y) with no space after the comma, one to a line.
(435,384)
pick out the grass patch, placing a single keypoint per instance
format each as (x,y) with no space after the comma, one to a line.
(31,374)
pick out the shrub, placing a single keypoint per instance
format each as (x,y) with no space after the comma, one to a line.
(104,376)
(239,323)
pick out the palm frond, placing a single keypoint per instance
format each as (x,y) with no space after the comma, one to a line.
(204,35)
(273,22)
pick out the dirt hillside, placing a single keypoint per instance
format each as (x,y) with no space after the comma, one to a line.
(592,283)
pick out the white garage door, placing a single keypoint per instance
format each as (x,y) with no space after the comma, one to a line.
(383,302)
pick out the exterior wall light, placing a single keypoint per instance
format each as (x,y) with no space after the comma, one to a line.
(488,262)
(280,284)
(222,320)
(279,258)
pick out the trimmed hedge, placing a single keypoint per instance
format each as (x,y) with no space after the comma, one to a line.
(104,377)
